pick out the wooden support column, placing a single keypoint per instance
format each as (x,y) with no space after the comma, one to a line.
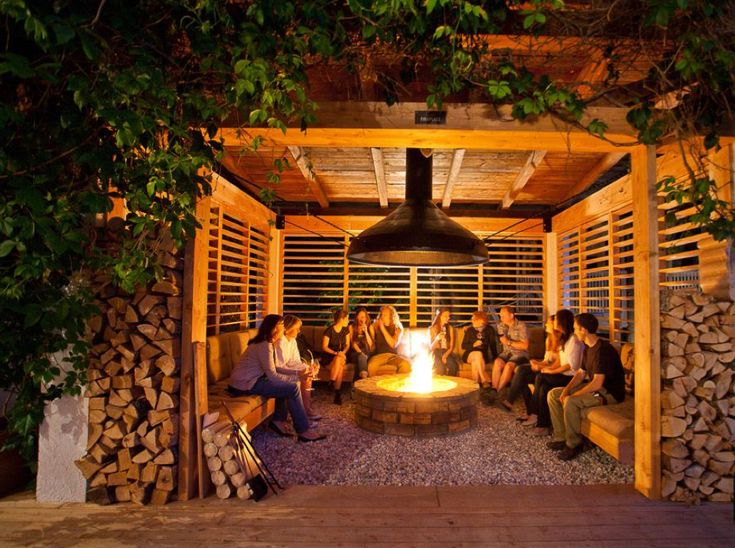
(551,274)
(647,324)
(275,273)
(193,329)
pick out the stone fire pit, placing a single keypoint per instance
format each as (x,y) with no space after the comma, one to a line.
(451,407)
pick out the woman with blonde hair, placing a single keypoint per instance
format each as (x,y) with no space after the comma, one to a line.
(289,362)
(335,343)
(441,343)
(387,332)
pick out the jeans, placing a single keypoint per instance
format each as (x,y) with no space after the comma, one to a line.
(522,377)
(450,368)
(543,385)
(288,400)
(360,360)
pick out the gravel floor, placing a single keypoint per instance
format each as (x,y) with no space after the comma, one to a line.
(498,451)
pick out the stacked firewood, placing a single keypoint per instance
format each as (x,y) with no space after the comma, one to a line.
(698,398)
(133,389)
(229,466)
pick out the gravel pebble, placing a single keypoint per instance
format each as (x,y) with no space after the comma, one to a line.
(497,451)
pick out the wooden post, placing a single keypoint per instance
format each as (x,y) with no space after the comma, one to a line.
(193,328)
(275,273)
(647,328)
(551,274)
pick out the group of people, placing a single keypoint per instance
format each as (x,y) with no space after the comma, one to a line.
(578,370)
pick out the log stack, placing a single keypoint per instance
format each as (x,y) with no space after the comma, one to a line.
(133,388)
(229,467)
(697,398)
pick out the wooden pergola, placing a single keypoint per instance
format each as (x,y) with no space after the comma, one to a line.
(490,170)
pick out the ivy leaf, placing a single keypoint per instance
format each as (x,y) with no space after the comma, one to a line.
(6,247)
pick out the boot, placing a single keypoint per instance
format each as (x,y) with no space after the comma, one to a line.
(337,397)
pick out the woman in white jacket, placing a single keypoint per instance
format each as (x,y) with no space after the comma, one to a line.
(289,362)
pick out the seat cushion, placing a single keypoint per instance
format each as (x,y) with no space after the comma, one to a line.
(616,419)
(239,405)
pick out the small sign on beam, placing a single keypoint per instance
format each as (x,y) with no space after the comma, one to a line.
(430,118)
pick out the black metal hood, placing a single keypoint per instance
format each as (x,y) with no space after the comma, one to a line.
(418,233)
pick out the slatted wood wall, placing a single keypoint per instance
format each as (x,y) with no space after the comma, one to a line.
(319,279)
(678,241)
(237,270)
(596,271)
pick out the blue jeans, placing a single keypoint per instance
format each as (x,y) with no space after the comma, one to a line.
(288,400)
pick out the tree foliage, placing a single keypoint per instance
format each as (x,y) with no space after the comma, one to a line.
(118,99)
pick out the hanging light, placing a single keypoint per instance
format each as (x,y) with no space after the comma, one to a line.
(417,233)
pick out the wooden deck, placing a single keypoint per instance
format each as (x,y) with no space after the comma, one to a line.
(595,516)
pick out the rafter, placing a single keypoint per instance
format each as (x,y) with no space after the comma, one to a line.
(316,188)
(601,167)
(379,168)
(452,177)
(527,171)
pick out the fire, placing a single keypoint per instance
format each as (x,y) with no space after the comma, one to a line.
(421,380)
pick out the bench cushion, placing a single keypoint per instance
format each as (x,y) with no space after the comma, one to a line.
(223,353)
(616,419)
(245,404)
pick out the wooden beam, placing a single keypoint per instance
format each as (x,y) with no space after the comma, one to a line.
(452,177)
(473,126)
(305,224)
(647,324)
(316,188)
(379,167)
(608,161)
(527,171)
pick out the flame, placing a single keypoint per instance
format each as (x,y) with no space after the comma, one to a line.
(420,379)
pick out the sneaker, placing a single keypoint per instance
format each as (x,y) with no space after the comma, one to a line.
(314,416)
(556,445)
(569,453)
(529,422)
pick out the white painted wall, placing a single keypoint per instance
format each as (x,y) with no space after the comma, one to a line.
(62,440)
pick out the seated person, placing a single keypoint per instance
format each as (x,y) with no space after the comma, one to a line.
(480,347)
(255,374)
(603,371)
(362,342)
(514,340)
(526,374)
(335,344)
(289,362)
(441,343)
(387,332)
(555,374)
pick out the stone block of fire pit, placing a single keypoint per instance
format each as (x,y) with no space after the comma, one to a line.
(381,407)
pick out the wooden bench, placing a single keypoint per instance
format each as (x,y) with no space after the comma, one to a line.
(223,353)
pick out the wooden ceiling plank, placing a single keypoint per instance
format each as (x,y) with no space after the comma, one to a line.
(300,156)
(379,168)
(534,159)
(454,170)
(607,161)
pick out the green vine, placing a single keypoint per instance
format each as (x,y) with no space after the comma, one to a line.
(110,99)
